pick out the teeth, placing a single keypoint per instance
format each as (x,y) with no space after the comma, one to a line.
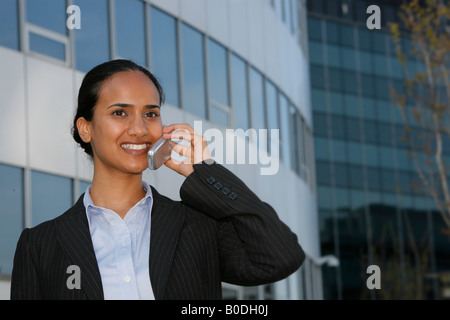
(134,146)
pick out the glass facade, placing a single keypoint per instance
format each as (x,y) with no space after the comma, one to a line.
(369,211)
(164,52)
(52,200)
(129,17)
(92,41)
(199,74)
(9,28)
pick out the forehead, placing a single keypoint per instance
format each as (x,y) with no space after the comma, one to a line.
(130,85)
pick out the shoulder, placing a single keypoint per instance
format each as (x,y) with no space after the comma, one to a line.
(177,209)
(45,232)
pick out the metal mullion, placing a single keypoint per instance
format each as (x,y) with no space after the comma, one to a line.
(206,75)
(112,29)
(148,34)
(229,91)
(179,64)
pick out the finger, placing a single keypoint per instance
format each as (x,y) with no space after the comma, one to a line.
(182,150)
(180,134)
(178,126)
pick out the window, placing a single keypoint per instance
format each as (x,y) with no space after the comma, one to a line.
(239,93)
(193,71)
(341,175)
(272,106)
(11,214)
(335,79)
(314,28)
(48,14)
(164,58)
(218,83)
(130,30)
(323,173)
(317,76)
(332,29)
(92,40)
(51,196)
(46,28)
(295,158)
(356,177)
(333,55)
(9,28)
(83,186)
(285,133)
(47,46)
(258,116)
(316,52)
(320,124)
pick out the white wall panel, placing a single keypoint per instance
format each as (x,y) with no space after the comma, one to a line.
(256,36)
(238,18)
(12,119)
(217,17)
(172,6)
(194,12)
(50,103)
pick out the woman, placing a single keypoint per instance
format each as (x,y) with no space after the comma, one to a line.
(122,239)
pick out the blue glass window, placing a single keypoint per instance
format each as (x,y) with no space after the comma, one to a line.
(272,106)
(51,196)
(9,28)
(257,100)
(164,53)
(92,40)
(193,71)
(272,110)
(11,214)
(239,89)
(130,30)
(83,186)
(47,46)
(295,137)
(49,14)
(285,131)
(218,82)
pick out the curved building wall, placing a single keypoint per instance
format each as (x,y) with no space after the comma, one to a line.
(229,68)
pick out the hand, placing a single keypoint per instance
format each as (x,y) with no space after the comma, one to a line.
(195,153)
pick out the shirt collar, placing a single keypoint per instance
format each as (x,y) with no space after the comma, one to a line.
(91,207)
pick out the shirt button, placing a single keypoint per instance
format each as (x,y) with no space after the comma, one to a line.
(143,201)
(127,279)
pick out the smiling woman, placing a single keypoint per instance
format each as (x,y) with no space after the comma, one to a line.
(129,242)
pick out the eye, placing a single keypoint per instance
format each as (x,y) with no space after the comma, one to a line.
(151,114)
(119,113)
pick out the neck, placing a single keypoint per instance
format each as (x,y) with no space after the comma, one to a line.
(117,192)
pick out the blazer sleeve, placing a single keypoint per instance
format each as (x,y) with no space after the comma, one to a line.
(24,278)
(255,246)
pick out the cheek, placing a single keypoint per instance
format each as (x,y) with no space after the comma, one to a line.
(155,129)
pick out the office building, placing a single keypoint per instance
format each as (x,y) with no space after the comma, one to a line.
(369,210)
(229,64)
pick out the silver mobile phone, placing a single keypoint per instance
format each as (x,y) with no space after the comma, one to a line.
(159,153)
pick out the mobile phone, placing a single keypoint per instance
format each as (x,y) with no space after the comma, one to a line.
(159,153)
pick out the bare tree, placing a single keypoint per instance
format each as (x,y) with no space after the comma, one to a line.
(424,98)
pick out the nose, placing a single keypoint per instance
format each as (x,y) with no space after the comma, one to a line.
(137,127)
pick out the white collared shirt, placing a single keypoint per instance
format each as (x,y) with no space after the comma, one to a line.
(122,248)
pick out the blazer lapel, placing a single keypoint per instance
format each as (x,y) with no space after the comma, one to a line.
(75,239)
(167,222)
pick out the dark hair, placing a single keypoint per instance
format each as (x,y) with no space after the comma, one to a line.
(90,88)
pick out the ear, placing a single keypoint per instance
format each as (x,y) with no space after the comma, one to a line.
(84,129)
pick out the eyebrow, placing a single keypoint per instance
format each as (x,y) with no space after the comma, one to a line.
(127,105)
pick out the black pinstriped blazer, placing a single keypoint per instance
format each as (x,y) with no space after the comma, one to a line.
(219,231)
